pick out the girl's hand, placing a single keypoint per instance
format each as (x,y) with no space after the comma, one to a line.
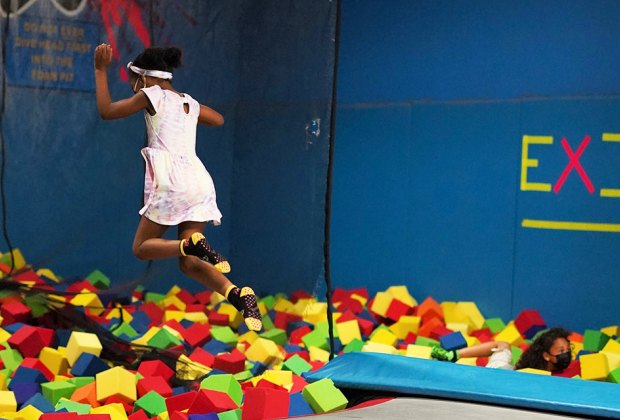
(103,57)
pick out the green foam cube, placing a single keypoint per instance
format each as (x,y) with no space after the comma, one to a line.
(226,383)
(11,358)
(494,324)
(276,335)
(230,415)
(152,403)
(315,338)
(98,279)
(425,341)
(354,345)
(297,365)
(224,334)
(324,397)
(72,406)
(594,340)
(614,376)
(269,301)
(163,339)
(54,391)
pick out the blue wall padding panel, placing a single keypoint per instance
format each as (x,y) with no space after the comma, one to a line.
(400,374)
(476,49)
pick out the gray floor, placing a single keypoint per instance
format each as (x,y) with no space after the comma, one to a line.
(426,408)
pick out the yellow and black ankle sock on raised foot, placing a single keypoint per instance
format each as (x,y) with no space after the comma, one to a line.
(244,300)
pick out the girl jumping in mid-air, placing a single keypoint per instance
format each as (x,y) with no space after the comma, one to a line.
(178,190)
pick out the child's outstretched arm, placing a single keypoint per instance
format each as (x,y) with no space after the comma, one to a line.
(107,109)
(210,116)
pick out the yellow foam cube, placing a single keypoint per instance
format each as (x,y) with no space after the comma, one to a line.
(234,316)
(613,360)
(283,305)
(55,360)
(4,335)
(8,402)
(17,257)
(401,293)
(381,303)
(463,327)
(189,370)
(348,331)
(452,313)
(416,350)
(264,351)
(474,316)
(279,377)
(197,317)
(511,335)
(116,411)
(217,298)
(300,306)
(172,315)
(468,361)
(30,412)
(82,342)
(249,337)
(594,366)
(372,347)
(612,346)
(46,272)
(174,301)
(406,324)
(3,382)
(361,299)
(117,382)
(613,330)
(174,290)
(535,371)
(577,347)
(163,416)
(90,301)
(120,313)
(471,341)
(384,336)
(144,340)
(315,312)
(318,354)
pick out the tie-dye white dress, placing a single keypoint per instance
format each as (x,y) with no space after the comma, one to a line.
(177,186)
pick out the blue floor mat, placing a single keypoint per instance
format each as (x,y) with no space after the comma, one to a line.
(407,375)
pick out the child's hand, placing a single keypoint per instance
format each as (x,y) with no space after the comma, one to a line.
(103,56)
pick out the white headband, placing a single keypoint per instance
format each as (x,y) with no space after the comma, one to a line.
(152,73)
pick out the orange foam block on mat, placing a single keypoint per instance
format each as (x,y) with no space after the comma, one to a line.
(86,394)
(116,382)
(82,342)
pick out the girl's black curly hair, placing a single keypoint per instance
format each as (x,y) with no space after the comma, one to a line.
(159,58)
(533,356)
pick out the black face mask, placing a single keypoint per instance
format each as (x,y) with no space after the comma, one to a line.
(562,360)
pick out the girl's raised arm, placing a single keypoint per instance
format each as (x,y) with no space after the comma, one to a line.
(210,116)
(107,109)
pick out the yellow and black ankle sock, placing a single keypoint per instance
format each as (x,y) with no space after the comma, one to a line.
(244,300)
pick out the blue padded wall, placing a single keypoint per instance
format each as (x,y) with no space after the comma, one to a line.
(434,101)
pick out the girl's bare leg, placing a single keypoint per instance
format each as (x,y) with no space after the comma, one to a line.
(148,243)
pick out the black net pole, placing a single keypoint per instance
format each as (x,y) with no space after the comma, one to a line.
(328,191)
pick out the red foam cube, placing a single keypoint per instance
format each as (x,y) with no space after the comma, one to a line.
(265,403)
